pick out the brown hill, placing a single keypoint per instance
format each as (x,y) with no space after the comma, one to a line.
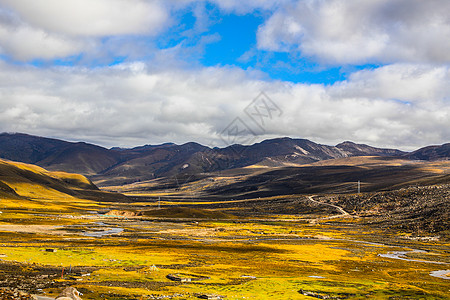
(20,181)
(334,176)
(117,166)
(193,159)
(365,150)
(441,152)
(57,155)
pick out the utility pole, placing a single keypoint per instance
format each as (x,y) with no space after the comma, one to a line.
(359,187)
(159,202)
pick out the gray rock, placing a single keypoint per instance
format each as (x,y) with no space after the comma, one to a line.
(69,293)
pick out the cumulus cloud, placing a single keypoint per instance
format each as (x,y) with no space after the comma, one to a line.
(243,7)
(61,28)
(24,42)
(92,17)
(100,29)
(331,31)
(355,32)
(404,104)
(131,104)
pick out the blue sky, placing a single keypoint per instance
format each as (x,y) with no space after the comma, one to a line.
(222,39)
(132,72)
(237,46)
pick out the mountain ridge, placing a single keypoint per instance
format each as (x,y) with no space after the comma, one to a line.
(152,161)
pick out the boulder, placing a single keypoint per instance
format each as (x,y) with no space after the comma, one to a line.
(69,293)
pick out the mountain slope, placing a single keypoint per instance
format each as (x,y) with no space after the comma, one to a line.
(153,162)
(282,152)
(27,148)
(56,154)
(26,181)
(365,150)
(431,153)
(337,176)
(120,166)
(191,158)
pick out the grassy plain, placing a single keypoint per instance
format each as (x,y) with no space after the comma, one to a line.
(241,259)
(50,239)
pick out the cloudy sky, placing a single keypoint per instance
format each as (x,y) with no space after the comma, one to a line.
(134,72)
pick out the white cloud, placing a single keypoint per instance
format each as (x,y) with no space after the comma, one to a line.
(60,28)
(92,17)
(25,43)
(131,104)
(404,104)
(332,31)
(354,31)
(413,83)
(243,7)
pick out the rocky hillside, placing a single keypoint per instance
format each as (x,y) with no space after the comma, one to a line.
(422,210)
(364,150)
(122,165)
(57,155)
(441,152)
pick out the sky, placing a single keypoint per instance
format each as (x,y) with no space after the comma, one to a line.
(133,72)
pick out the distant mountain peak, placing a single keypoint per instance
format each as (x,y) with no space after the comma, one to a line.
(346,143)
(435,152)
(363,149)
(152,161)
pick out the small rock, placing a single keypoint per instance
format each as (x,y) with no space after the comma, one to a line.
(209,296)
(69,293)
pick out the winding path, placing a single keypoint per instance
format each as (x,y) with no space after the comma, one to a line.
(340,209)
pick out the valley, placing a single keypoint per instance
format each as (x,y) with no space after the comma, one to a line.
(288,230)
(224,150)
(285,255)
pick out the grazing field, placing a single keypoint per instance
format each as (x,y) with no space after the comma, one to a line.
(147,257)
(58,230)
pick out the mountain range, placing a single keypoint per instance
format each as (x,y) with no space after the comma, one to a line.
(126,165)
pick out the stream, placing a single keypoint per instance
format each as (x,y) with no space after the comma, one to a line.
(441,274)
(103,232)
(401,255)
